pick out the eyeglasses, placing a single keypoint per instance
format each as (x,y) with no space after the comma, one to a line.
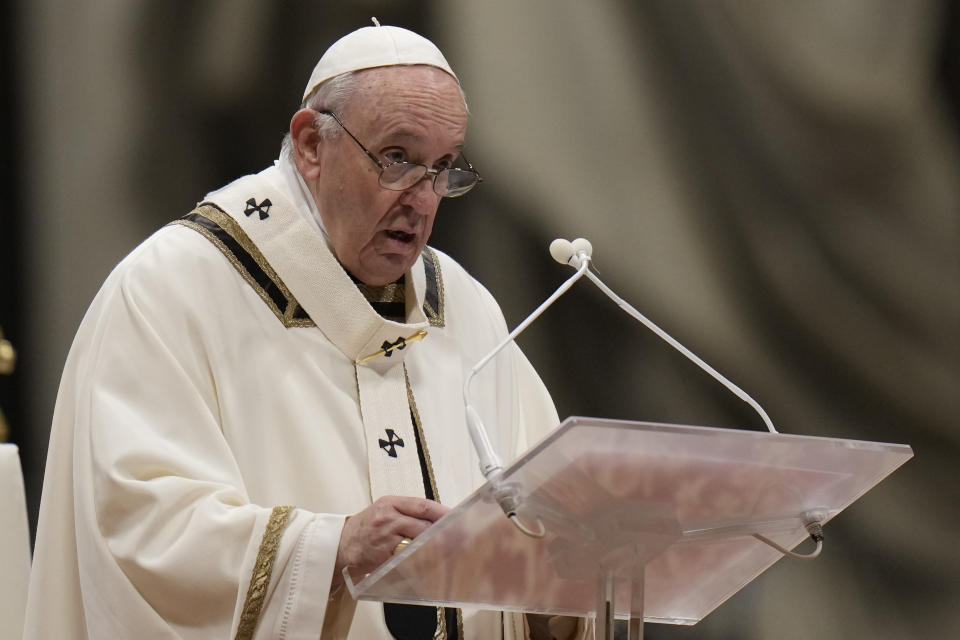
(399,176)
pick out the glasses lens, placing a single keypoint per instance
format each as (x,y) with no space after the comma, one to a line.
(449,183)
(401,175)
(458,182)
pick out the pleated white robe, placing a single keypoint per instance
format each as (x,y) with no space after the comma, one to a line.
(209,436)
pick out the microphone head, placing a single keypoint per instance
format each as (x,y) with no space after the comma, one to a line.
(582,245)
(562,250)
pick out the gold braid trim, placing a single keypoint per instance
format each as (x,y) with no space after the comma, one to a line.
(418,425)
(260,578)
(432,267)
(231,228)
(392,292)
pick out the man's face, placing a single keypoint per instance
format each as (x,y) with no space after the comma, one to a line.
(413,114)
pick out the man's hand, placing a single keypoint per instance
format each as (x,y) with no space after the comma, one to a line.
(370,536)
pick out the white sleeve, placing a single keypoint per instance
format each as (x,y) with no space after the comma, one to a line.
(537,415)
(300,604)
(168,542)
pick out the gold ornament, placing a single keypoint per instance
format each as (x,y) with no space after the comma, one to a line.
(8,360)
(8,357)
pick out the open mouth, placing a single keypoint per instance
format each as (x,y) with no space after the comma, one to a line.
(402,236)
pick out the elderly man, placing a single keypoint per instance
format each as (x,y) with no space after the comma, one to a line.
(289,353)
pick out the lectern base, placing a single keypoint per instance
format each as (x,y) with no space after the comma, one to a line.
(607,605)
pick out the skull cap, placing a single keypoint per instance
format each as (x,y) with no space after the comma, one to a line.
(377,46)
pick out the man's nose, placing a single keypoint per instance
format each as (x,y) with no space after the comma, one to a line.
(421,195)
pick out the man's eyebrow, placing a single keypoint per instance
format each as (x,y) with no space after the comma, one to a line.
(406,134)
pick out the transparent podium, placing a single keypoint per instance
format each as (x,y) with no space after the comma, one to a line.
(642,521)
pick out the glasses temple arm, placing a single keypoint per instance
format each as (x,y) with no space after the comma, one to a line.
(354,138)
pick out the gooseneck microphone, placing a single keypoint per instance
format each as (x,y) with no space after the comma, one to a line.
(577,254)
(490,464)
(489,461)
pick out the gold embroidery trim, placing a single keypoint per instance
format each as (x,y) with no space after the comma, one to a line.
(441,632)
(391,292)
(435,316)
(420,435)
(262,568)
(230,226)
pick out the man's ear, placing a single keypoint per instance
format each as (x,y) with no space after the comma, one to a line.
(306,142)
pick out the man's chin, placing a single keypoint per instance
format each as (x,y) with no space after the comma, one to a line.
(385,272)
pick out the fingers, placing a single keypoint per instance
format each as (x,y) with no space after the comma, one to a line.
(418,508)
(370,536)
(400,516)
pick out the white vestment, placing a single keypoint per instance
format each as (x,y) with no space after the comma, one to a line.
(212,386)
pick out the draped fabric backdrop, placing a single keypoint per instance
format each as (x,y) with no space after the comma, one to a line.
(776,184)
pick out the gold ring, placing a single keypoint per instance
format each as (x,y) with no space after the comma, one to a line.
(403,545)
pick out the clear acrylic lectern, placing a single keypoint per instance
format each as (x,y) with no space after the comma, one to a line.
(643,521)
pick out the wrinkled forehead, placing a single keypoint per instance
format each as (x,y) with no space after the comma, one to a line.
(415,89)
(410,80)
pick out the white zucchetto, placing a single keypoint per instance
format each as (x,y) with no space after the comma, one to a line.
(378,46)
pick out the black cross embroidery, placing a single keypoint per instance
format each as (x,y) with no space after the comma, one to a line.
(388,347)
(262,208)
(390,445)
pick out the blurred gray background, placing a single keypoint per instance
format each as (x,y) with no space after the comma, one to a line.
(774,183)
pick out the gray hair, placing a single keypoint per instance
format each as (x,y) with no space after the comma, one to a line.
(334,95)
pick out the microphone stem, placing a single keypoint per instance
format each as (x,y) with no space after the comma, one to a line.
(489,461)
(737,391)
